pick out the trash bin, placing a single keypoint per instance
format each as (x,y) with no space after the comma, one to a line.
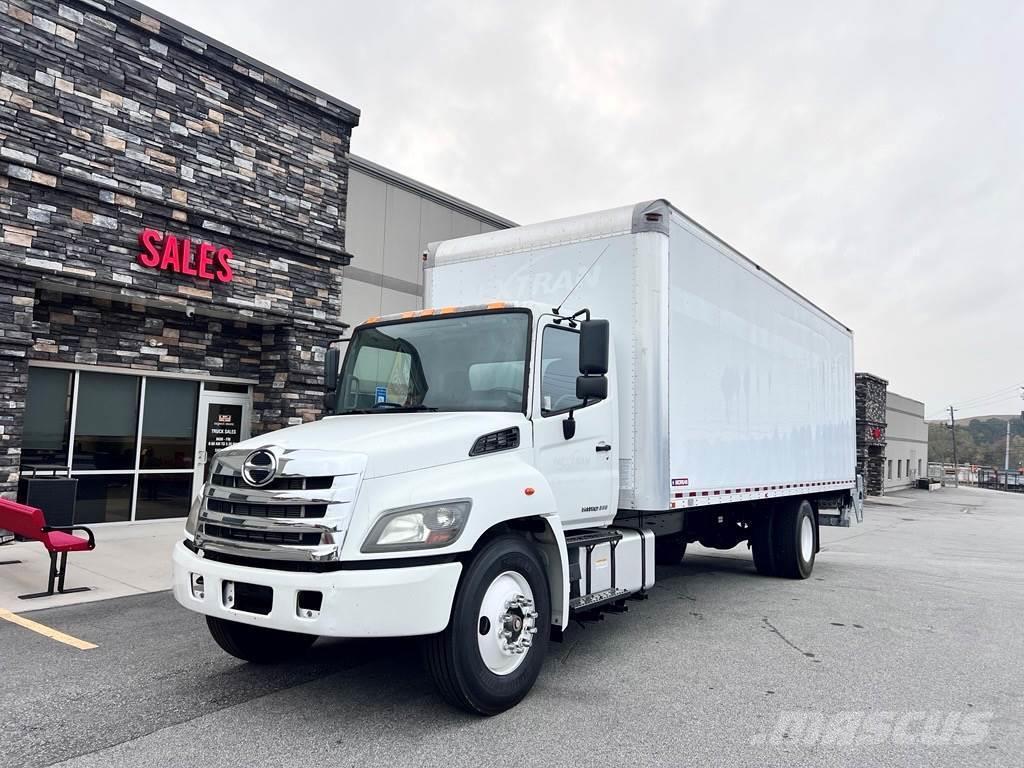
(48,487)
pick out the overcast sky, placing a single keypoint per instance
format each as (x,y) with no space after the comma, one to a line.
(869,154)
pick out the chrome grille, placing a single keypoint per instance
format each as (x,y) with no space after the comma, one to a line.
(301,515)
(261,537)
(252,509)
(278,484)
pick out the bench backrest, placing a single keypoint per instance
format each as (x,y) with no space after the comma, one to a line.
(21,519)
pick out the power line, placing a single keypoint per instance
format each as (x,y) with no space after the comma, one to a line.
(1005,393)
(997,393)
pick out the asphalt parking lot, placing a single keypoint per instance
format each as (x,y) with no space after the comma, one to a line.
(904,647)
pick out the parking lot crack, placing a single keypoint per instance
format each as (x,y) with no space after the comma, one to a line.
(786,640)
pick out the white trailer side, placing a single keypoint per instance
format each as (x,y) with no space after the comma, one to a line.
(732,386)
(761,380)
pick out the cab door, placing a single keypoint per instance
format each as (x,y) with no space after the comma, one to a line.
(580,464)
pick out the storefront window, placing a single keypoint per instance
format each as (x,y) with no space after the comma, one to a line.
(167,495)
(169,424)
(107,420)
(127,470)
(104,498)
(47,417)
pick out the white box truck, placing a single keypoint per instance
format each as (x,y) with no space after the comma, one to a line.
(580,400)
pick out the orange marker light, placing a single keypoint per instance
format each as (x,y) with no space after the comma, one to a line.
(529,491)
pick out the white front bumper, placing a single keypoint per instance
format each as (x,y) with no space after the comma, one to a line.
(385,602)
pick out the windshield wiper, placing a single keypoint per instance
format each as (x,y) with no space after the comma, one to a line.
(396,407)
(386,407)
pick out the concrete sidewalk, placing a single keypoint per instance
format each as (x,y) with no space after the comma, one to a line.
(128,560)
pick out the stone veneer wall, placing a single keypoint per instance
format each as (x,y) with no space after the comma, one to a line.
(870,412)
(113,120)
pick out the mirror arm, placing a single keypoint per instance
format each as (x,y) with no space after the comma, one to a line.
(569,425)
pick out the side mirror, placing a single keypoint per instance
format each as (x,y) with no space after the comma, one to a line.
(594,347)
(591,388)
(332,361)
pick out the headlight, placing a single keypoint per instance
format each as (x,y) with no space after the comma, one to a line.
(420,527)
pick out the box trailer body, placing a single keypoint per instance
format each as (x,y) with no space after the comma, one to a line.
(731,385)
(579,400)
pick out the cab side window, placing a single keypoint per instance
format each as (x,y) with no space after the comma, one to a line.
(560,365)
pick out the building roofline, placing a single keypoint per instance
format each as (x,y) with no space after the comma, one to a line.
(256,63)
(904,397)
(386,174)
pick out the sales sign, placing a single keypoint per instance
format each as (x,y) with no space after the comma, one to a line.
(165,251)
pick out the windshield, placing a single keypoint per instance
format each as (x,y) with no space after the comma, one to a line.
(461,363)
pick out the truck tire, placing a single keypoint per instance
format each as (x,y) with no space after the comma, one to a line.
(795,539)
(492,651)
(761,541)
(669,550)
(258,645)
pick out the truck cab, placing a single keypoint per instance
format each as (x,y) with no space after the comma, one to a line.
(455,437)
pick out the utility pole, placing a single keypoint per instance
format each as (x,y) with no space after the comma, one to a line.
(956,462)
(1006,461)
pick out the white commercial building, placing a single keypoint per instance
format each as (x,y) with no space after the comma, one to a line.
(906,448)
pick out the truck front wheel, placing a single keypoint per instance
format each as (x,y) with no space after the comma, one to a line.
(259,645)
(492,651)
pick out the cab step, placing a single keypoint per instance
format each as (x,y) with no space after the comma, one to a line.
(596,600)
(592,537)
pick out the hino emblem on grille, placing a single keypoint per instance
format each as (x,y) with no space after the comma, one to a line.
(259,468)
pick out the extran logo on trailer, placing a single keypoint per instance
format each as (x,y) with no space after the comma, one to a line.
(545,285)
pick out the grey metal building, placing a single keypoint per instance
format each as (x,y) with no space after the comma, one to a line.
(390,220)
(906,449)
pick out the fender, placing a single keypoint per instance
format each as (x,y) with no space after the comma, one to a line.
(556,558)
(504,487)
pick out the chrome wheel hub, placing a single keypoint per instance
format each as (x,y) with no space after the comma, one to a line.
(507,623)
(518,625)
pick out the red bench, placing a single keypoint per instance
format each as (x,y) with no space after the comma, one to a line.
(29,523)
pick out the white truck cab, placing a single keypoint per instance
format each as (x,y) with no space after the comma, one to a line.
(468,483)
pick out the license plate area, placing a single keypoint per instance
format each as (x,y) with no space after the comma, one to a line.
(250,598)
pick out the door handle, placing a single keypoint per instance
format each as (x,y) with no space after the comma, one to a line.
(602,447)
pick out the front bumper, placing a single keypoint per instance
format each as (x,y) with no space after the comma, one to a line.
(383,602)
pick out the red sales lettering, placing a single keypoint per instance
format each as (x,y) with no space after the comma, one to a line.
(165,251)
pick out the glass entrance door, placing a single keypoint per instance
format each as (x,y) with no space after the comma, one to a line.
(224,419)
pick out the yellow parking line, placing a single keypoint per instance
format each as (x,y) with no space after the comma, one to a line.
(46,631)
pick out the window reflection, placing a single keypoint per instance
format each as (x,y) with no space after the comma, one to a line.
(47,417)
(169,424)
(106,423)
(163,496)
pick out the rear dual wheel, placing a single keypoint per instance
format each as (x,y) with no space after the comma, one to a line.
(670,549)
(492,651)
(784,540)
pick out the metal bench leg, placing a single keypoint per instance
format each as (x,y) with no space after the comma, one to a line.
(56,574)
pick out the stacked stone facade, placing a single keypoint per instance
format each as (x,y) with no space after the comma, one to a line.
(870,413)
(114,119)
